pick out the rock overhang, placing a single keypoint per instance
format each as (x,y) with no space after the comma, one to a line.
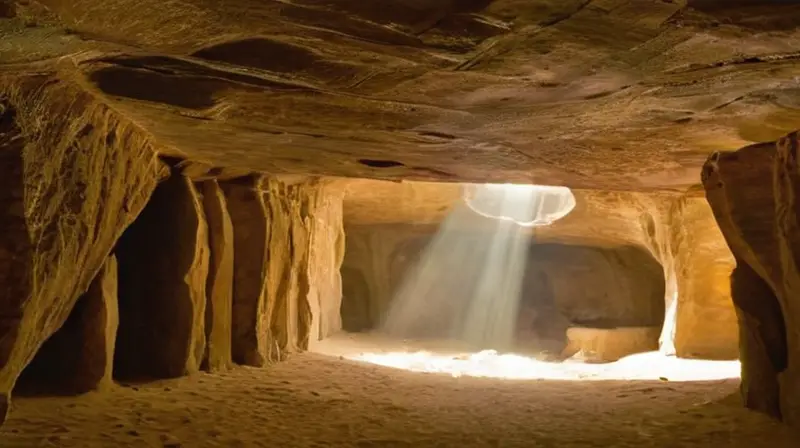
(611,95)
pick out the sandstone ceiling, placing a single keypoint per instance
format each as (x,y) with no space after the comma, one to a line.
(602,94)
(600,218)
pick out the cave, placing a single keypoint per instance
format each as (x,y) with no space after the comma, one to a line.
(399,223)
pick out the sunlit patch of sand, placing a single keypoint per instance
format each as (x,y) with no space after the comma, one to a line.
(416,356)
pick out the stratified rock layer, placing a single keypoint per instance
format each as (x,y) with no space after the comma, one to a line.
(73,179)
(753,195)
(602,94)
(163,269)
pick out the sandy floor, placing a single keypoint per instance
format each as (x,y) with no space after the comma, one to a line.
(324,401)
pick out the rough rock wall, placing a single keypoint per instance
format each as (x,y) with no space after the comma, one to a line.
(163,268)
(79,357)
(706,324)
(305,246)
(374,262)
(287,245)
(219,285)
(753,195)
(76,181)
(601,287)
(326,255)
(74,177)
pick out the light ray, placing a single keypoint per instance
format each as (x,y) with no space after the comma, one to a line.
(467,283)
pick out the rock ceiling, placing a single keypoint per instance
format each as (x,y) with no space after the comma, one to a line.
(606,94)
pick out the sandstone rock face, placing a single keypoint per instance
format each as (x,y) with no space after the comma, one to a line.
(288,248)
(79,357)
(759,221)
(163,270)
(511,90)
(248,212)
(706,324)
(219,286)
(325,258)
(73,179)
(598,287)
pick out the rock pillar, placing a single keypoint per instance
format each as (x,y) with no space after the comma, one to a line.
(163,269)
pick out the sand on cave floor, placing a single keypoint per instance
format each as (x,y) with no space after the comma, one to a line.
(324,400)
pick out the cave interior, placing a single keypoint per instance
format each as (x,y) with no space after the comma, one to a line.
(222,219)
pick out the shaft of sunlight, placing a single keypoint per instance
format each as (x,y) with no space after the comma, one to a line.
(467,282)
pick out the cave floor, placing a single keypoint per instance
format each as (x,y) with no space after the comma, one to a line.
(319,400)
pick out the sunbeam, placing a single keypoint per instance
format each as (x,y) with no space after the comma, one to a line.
(466,286)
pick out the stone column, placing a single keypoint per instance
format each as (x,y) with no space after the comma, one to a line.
(163,268)
(220,279)
(288,245)
(250,341)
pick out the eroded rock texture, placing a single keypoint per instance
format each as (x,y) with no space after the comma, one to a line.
(163,269)
(248,214)
(705,319)
(219,287)
(512,90)
(288,248)
(73,179)
(753,194)
(79,357)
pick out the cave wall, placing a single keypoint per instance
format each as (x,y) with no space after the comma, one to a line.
(73,180)
(705,319)
(753,194)
(287,252)
(95,228)
(79,357)
(602,287)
